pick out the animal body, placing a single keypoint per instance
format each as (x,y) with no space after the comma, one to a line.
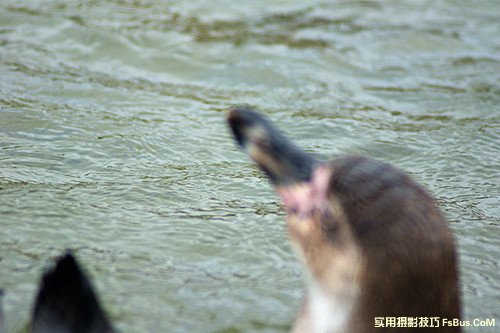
(66,302)
(373,242)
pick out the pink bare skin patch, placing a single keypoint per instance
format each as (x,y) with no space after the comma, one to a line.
(305,197)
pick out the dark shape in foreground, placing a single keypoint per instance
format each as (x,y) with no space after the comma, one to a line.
(373,242)
(2,318)
(66,302)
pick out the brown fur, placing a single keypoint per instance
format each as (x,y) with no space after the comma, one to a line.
(373,242)
(383,233)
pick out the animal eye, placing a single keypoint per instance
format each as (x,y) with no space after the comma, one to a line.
(329,221)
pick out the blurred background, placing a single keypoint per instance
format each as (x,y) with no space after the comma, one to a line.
(113,143)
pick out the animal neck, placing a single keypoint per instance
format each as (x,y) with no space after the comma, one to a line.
(329,312)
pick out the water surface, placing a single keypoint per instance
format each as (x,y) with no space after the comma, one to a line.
(113,143)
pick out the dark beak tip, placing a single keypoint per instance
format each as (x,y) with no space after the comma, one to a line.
(233,118)
(243,113)
(235,122)
(231,113)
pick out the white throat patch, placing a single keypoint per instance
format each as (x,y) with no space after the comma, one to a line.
(328,314)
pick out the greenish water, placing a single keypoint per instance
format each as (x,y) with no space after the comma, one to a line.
(113,143)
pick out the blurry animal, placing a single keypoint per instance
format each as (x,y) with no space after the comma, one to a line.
(374,245)
(66,302)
